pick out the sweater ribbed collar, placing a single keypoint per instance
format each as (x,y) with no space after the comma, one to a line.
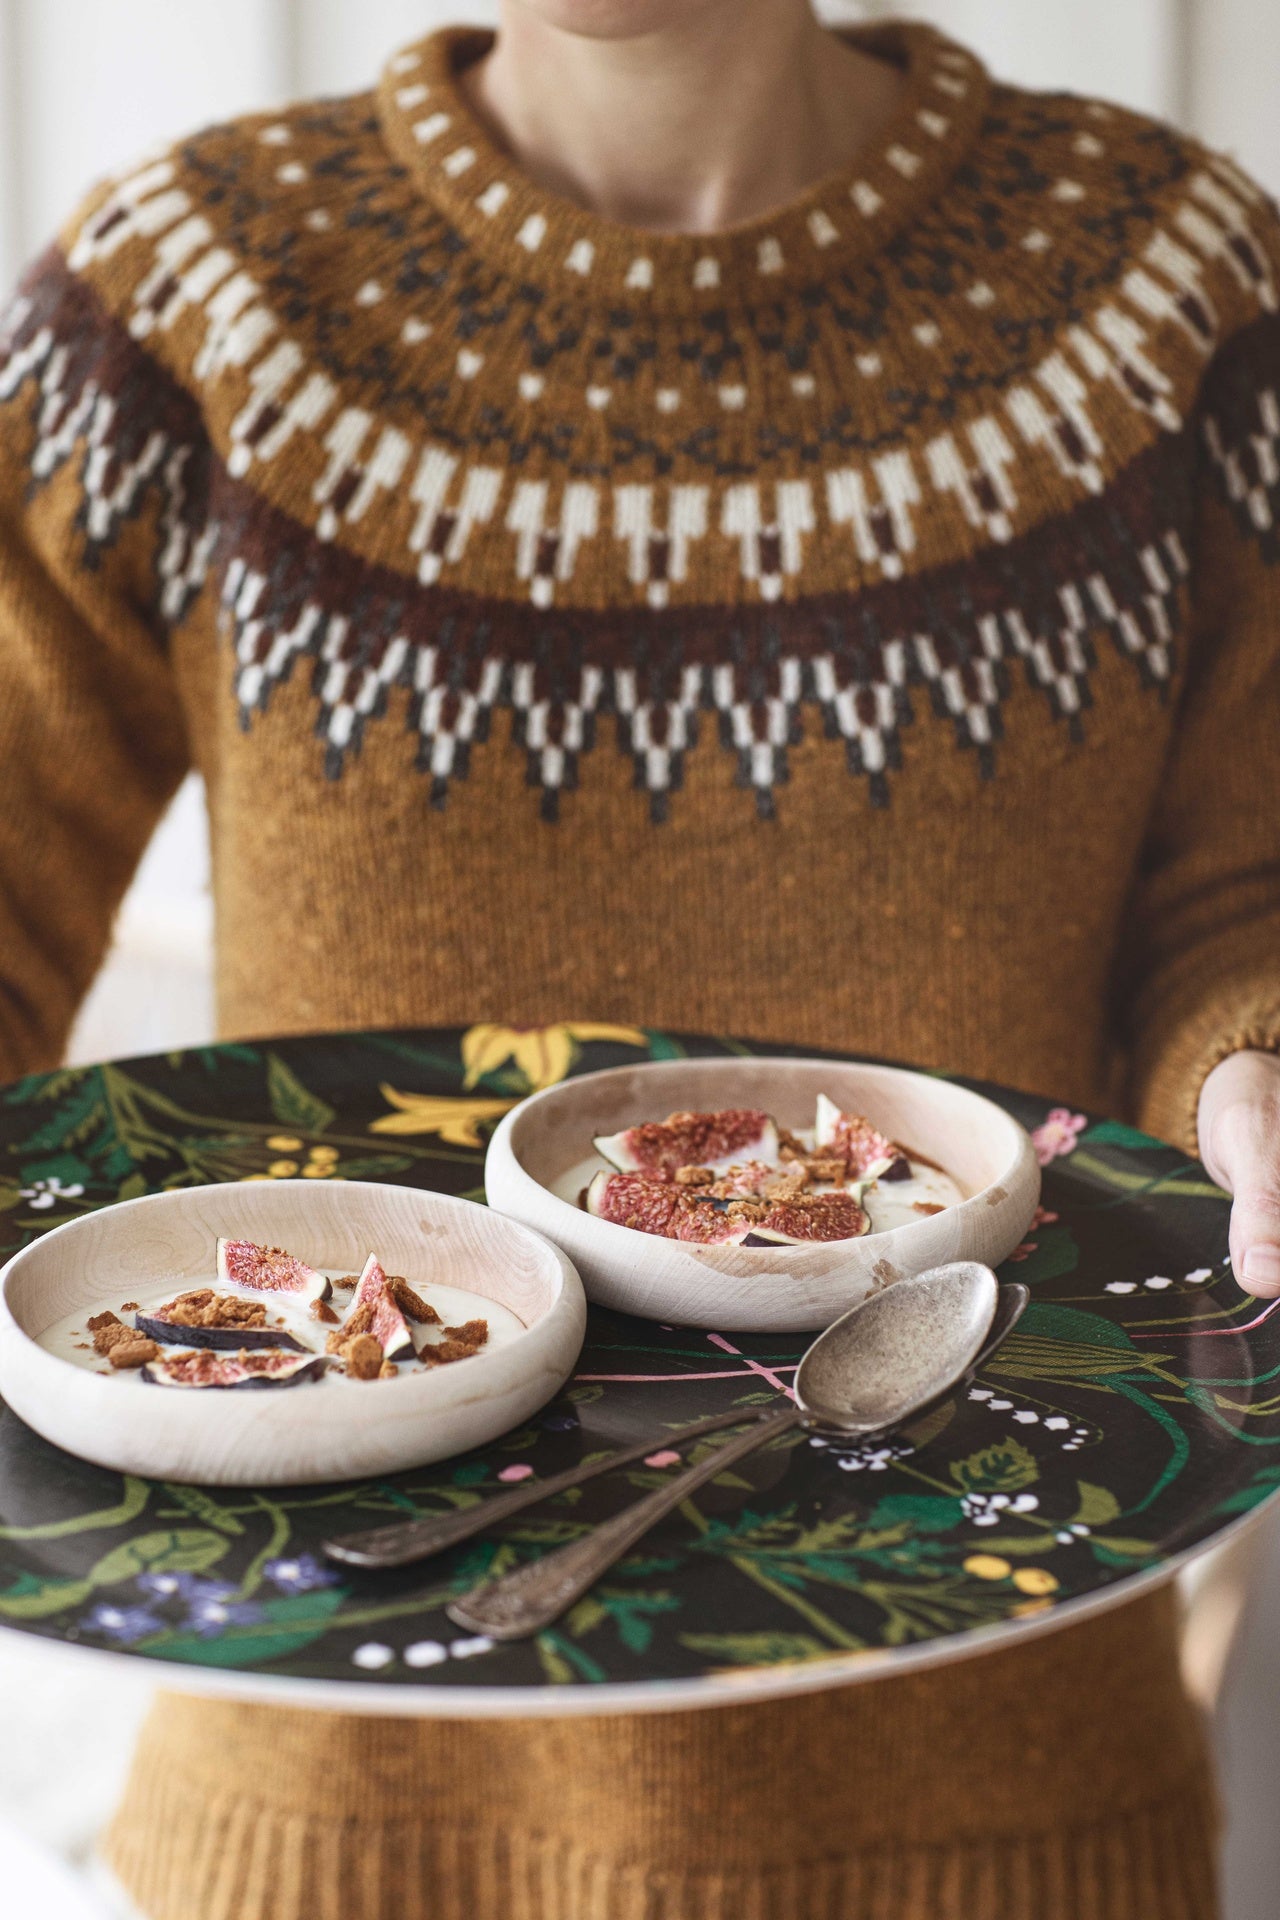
(541,237)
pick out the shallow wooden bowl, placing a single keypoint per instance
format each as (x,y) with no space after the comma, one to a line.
(337,1429)
(767,1290)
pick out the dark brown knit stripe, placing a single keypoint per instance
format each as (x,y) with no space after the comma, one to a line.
(1029,609)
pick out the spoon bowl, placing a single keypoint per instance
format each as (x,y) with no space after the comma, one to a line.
(898,1351)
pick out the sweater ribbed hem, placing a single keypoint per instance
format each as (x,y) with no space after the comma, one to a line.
(225,1861)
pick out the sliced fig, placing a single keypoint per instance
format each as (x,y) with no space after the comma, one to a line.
(816,1216)
(866,1152)
(387,1323)
(172,1333)
(715,1140)
(637,1200)
(204,1370)
(269,1270)
(651,1205)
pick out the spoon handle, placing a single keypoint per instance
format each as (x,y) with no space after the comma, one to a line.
(400,1544)
(531,1598)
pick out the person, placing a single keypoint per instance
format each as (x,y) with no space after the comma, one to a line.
(672,515)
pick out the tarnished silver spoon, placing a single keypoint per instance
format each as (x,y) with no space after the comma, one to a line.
(403,1542)
(880,1365)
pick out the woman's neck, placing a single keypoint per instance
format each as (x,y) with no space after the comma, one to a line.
(733,110)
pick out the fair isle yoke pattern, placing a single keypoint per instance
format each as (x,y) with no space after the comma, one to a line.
(444,443)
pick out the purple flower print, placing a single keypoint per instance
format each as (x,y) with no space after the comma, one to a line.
(209,1616)
(301,1574)
(124,1625)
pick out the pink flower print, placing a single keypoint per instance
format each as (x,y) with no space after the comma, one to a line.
(1020,1253)
(1058,1135)
(513,1475)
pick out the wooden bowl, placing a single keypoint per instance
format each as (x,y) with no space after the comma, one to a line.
(763,1290)
(337,1429)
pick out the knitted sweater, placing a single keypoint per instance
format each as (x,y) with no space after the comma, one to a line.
(860,627)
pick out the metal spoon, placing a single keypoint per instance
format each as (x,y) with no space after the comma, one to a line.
(400,1544)
(404,1542)
(879,1365)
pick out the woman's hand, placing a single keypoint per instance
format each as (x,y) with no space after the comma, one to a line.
(1239,1127)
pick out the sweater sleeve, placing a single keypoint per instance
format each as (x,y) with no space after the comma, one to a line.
(92,741)
(1203,949)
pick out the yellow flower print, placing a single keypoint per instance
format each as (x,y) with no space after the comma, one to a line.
(1035,1580)
(544,1055)
(457,1121)
(988,1566)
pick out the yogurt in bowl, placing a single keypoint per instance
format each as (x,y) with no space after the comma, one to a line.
(966,1157)
(143,1260)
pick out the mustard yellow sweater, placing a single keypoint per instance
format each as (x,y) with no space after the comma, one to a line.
(860,627)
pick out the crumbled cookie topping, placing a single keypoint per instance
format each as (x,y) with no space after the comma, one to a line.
(411,1304)
(362,1357)
(459,1343)
(135,1352)
(205,1308)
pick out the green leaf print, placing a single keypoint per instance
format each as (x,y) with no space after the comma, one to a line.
(179,1550)
(1098,1506)
(288,1626)
(202,1506)
(1004,1467)
(291,1102)
(35,1599)
(662,1046)
(136,1494)
(1114,1133)
(1051,1321)
(1055,1253)
(926,1512)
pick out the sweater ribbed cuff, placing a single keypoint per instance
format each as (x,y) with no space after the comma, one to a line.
(224,1861)
(1169,1101)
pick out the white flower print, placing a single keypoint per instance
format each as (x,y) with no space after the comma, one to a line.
(986,1509)
(43,1194)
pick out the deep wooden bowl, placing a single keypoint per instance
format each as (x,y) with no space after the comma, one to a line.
(777,1289)
(337,1429)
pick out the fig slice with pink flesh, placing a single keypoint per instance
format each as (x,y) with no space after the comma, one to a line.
(204,1371)
(715,1140)
(867,1153)
(812,1218)
(269,1270)
(659,1207)
(388,1326)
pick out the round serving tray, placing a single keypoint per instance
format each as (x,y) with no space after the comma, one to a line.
(1128,1422)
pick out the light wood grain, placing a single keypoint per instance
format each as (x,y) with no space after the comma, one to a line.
(338,1429)
(780,1289)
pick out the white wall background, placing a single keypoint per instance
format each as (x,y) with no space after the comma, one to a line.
(86,86)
